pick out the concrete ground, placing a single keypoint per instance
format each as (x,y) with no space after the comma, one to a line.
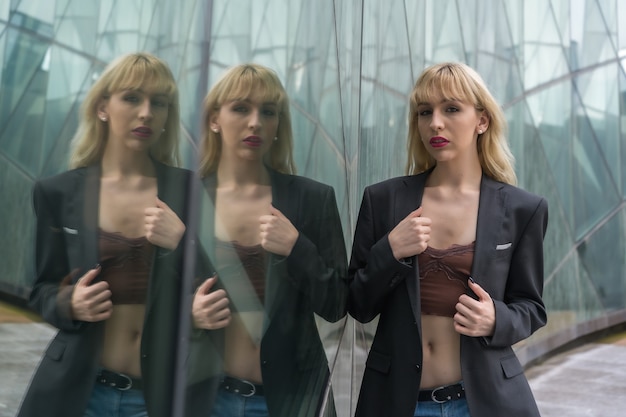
(588,381)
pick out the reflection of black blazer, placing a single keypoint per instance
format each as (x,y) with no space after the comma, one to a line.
(311,279)
(508,264)
(66,206)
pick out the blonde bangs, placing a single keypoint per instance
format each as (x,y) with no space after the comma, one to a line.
(252,81)
(141,74)
(446,82)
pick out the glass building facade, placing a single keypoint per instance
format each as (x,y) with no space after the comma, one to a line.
(558,67)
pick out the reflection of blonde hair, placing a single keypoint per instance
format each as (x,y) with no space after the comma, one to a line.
(137,71)
(460,82)
(238,83)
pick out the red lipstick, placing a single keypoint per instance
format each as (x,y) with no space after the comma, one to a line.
(142,131)
(253,141)
(438,141)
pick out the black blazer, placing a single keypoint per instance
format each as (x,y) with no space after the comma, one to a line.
(312,279)
(66,206)
(508,264)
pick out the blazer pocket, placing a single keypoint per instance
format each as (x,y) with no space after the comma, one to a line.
(55,350)
(378,362)
(70,231)
(511,366)
(503,250)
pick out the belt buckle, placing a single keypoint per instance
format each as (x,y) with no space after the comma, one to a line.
(433,395)
(252,389)
(129,383)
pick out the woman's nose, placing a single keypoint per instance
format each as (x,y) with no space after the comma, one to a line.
(254,122)
(436,121)
(145,111)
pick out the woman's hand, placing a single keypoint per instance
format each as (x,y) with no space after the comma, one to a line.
(278,234)
(163,227)
(91,302)
(475,318)
(410,237)
(210,308)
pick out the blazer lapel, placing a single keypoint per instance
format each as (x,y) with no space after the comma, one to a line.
(491,209)
(288,204)
(90,195)
(408,199)
(206,222)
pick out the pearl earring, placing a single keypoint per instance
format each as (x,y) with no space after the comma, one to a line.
(216,130)
(480,132)
(103,118)
(275,138)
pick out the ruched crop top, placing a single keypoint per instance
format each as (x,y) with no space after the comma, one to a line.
(443,278)
(125,264)
(242,271)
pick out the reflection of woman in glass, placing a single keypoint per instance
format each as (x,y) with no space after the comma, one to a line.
(451,259)
(109,252)
(277,246)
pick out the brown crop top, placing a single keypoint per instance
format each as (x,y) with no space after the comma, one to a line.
(242,269)
(125,264)
(443,278)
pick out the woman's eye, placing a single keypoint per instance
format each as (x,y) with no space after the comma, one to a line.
(131,98)
(159,103)
(240,109)
(452,109)
(269,112)
(424,112)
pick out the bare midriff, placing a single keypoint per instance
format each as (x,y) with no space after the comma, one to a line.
(242,358)
(237,212)
(122,340)
(441,352)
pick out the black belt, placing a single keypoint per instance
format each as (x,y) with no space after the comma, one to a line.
(241,386)
(118,381)
(442,394)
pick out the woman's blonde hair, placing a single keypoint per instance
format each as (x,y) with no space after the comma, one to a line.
(238,83)
(134,71)
(460,82)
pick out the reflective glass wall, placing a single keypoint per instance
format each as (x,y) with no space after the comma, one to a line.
(558,67)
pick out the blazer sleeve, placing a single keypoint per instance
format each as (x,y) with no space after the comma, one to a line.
(522,310)
(373,270)
(317,263)
(52,290)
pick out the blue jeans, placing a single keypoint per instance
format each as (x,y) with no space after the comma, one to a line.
(456,408)
(230,404)
(110,402)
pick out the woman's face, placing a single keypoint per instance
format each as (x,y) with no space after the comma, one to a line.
(136,118)
(247,127)
(449,128)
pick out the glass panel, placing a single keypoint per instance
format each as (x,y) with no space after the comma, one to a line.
(595,192)
(4,9)
(542,51)
(622,121)
(603,258)
(597,41)
(76,24)
(22,103)
(17,222)
(34,16)
(70,76)
(600,99)
(619,20)
(23,59)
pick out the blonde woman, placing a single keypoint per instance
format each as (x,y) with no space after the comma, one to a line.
(276,243)
(450,258)
(108,252)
